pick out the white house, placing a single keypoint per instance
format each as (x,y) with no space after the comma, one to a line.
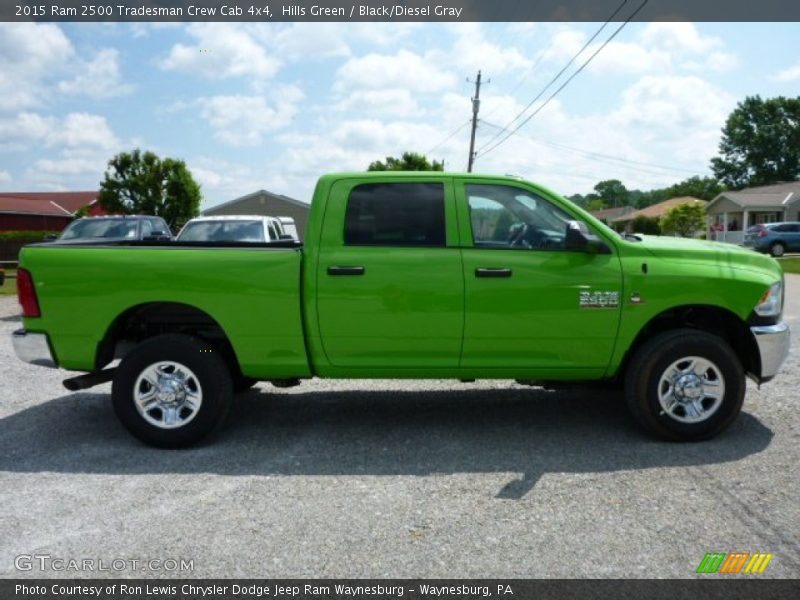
(731,213)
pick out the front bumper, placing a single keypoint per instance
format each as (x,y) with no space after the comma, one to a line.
(773,347)
(33,348)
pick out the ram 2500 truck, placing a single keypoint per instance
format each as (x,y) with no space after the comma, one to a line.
(410,275)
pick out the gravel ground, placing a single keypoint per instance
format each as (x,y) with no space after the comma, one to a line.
(396,479)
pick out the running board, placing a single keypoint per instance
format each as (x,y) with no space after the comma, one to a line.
(82,382)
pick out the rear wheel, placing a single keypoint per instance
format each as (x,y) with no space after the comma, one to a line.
(685,385)
(777,249)
(172,390)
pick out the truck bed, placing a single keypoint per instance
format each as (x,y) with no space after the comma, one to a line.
(252,291)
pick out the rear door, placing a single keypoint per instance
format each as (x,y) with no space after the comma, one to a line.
(390,288)
(529,303)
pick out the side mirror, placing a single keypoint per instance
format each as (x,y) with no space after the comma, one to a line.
(50,237)
(579,239)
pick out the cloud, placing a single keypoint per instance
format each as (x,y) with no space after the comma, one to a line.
(788,75)
(29,55)
(656,48)
(75,130)
(223,50)
(243,120)
(98,78)
(404,69)
(5,177)
(397,102)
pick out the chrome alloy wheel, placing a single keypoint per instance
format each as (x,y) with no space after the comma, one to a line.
(167,394)
(691,389)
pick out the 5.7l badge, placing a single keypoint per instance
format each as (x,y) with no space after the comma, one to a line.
(598,299)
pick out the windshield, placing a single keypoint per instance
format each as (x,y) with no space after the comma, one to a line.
(222,231)
(92,229)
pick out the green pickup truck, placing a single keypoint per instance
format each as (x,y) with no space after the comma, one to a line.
(410,275)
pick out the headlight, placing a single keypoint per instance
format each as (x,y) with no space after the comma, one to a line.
(771,303)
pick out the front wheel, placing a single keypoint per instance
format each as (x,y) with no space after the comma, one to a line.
(685,385)
(777,249)
(172,390)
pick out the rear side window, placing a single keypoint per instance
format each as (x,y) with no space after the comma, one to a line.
(395,214)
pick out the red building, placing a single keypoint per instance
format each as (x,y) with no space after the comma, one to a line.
(44,211)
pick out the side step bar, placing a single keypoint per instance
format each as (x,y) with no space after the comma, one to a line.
(82,382)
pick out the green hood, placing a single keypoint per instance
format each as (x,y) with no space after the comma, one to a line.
(702,251)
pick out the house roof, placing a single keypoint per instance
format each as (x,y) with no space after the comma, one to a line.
(255,195)
(56,204)
(609,214)
(661,208)
(765,196)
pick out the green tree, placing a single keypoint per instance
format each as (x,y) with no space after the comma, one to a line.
(141,183)
(760,143)
(595,203)
(646,225)
(684,220)
(409,161)
(612,192)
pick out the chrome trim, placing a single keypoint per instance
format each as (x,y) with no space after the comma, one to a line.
(33,348)
(773,347)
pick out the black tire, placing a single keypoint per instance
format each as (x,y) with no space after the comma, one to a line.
(655,357)
(777,249)
(209,372)
(242,383)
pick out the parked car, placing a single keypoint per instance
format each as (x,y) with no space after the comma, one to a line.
(411,275)
(115,228)
(775,238)
(238,228)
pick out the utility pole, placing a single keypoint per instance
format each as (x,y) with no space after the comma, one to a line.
(476,105)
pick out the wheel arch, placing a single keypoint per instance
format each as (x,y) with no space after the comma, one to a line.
(142,321)
(711,319)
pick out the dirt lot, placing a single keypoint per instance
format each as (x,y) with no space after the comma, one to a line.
(395,479)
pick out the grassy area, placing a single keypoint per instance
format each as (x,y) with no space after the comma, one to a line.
(790,265)
(9,288)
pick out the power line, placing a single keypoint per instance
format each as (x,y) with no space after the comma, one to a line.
(569,79)
(599,156)
(450,136)
(557,75)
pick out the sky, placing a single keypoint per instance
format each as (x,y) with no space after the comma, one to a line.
(253,106)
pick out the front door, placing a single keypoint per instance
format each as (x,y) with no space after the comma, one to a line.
(529,303)
(390,289)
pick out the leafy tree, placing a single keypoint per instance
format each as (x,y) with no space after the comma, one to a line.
(141,183)
(612,192)
(409,161)
(760,143)
(595,203)
(685,219)
(646,225)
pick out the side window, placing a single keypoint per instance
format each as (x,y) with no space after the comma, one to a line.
(147,227)
(508,217)
(782,228)
(160,225)
(273,233)
(395,214)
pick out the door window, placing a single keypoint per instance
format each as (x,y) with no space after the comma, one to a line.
(395,214)
(508,217)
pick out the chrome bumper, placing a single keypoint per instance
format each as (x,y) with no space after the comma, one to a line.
(773,347)
(33,348)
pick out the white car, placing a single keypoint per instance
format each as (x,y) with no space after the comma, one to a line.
(238,228)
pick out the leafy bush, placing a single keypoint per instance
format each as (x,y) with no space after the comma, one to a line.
(646,225)
(24,235)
